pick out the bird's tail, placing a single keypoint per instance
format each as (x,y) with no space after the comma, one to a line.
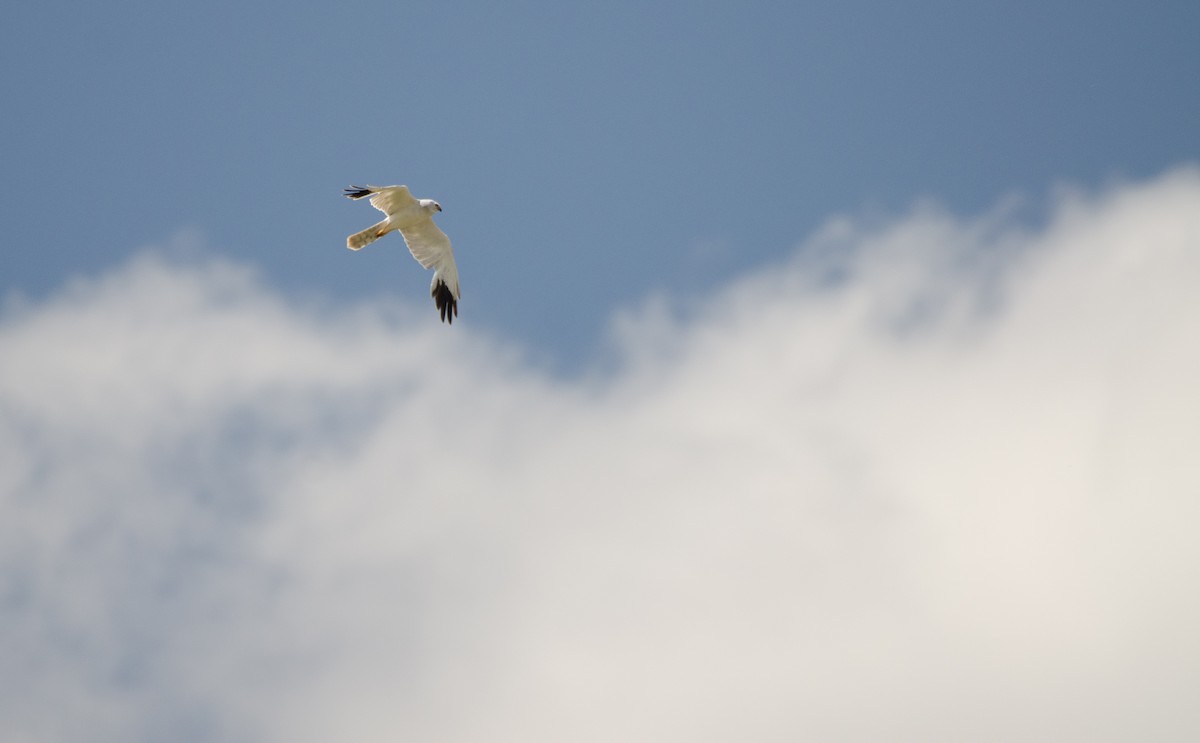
(360,240)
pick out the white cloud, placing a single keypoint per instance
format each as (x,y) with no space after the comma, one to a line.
(931,480)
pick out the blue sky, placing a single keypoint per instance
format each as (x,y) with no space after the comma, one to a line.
(823,372)
(587,156)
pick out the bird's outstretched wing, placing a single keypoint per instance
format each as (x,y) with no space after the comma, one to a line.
(427,243)
(430,246)
(387,199)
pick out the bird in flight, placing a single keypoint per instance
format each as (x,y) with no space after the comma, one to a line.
(413,218)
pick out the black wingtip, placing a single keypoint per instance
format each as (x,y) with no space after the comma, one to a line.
(356,192)
(446,303)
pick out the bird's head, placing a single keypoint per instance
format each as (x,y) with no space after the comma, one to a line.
(430,205)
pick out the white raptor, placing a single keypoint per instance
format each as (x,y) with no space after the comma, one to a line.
(413,218)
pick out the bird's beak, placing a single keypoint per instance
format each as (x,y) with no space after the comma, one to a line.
(439,206)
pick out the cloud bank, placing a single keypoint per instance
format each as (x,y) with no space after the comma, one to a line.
(933,479)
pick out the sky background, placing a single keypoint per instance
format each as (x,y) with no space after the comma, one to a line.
(586,156)
(823,371)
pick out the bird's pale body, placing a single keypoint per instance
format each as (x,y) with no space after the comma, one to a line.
(409,215)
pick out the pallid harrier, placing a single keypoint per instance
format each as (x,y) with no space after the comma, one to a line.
(428,244)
